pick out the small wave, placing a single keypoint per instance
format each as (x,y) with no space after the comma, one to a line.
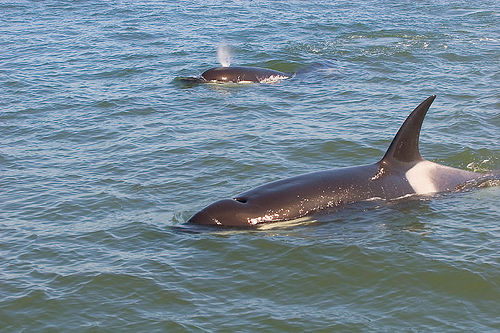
(481,166)
(145,111)
(118,73)
(133,35)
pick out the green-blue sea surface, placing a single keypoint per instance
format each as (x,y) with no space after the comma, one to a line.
(105,154)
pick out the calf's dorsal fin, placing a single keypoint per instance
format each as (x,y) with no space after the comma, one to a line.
(404,146)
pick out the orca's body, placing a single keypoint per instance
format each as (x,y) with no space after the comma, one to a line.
(242,75)
(238,74)
(402,171)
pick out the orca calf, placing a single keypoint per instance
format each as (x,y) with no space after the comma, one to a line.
(401,172)
(239,74)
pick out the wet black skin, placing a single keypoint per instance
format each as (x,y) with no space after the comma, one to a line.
(308,194)
(238,74)
(302,195)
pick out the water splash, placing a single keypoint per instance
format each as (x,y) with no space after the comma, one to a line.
(224,55)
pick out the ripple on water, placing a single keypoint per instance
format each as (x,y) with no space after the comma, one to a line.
(104,157)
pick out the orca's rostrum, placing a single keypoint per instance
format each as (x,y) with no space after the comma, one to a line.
(401,172)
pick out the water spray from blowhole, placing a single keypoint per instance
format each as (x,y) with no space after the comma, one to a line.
(224,55)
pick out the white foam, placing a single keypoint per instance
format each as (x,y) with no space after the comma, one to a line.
(273,79)
(420,177)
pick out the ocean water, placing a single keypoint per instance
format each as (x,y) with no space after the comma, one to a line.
(105,154)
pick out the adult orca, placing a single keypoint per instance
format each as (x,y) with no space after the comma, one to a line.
(401,172)
(239,74)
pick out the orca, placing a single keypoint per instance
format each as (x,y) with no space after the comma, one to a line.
(401,172)
(239,74)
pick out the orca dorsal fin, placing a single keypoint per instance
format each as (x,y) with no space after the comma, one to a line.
(404,146)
